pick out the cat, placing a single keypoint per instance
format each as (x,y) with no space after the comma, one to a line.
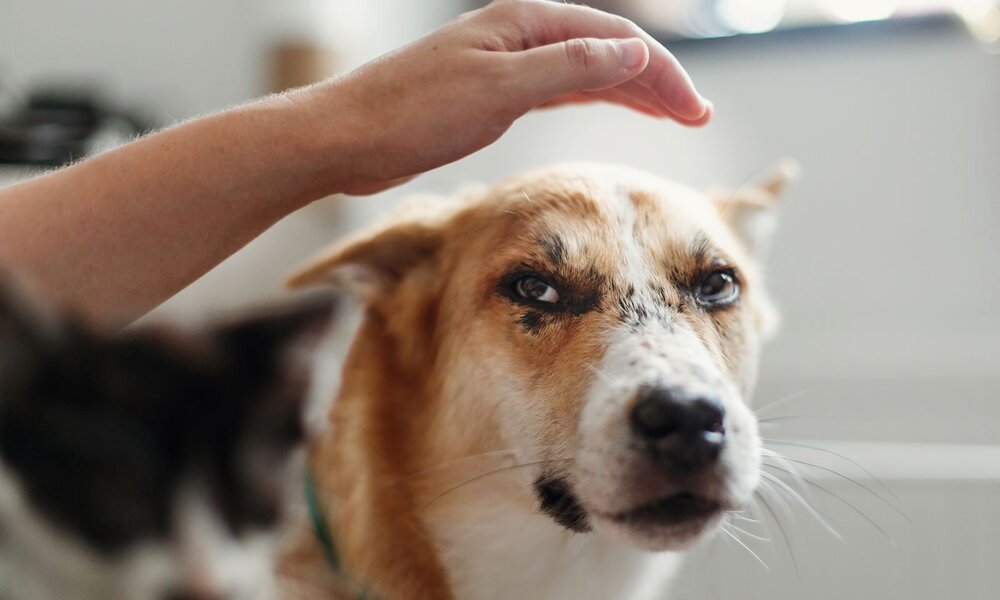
(150,465)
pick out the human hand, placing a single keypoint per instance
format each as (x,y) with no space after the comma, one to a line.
(461,87)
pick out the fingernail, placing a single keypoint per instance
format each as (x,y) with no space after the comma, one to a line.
(632,53)
(707,107)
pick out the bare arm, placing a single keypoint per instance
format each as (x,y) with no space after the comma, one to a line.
(117,234)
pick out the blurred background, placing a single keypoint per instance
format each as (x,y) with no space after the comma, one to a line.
(884,267)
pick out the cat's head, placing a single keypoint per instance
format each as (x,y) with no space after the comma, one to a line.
(152,464)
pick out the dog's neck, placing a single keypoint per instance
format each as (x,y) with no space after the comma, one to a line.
(362,472)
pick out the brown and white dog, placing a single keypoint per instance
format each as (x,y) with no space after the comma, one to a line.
(547,394)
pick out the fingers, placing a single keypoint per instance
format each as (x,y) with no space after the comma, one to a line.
(547,23)
(577,65)
(367,189)
(645,105)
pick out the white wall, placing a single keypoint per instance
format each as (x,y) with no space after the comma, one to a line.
(181,57)
(186,57)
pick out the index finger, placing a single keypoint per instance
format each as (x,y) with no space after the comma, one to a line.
(551,22)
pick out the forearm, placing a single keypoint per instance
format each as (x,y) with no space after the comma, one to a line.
(116,235)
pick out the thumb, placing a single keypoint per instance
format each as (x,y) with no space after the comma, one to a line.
(582,64)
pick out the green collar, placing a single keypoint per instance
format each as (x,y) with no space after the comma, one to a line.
(321,528)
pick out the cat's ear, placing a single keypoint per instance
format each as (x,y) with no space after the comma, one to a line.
(40,347)
(264,336)
(32,334)
(271,356)
(19,323)
(751,210)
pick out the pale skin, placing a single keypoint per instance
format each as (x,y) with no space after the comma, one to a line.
(115,235)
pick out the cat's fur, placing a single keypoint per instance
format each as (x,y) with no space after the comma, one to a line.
(151,465)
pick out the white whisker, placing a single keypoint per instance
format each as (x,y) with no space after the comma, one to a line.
(745,547)
(747,533)
(846,459)
(607,378)
(742,518)
(761,411)
(770,453)
(809,508)
(871,521)
(783,505)
(784,535)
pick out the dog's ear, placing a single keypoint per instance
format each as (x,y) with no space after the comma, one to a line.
(371,264)
(374,262)
(750,211)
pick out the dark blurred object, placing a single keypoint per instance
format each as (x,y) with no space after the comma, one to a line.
(55,126)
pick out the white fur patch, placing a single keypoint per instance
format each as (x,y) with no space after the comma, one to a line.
(506,552)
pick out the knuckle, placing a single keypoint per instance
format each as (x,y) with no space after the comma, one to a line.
(519,11)
(581,53)
(507,9)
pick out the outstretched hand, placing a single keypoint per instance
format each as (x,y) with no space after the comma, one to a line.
(459,88)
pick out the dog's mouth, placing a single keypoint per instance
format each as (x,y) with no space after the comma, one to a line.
(678,509)
(558,501)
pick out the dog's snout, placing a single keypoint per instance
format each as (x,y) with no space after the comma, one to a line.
(687,432)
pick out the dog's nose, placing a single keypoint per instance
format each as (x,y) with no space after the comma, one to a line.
(686,431)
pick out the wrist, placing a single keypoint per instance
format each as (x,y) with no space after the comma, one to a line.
(331,138)
(302,141)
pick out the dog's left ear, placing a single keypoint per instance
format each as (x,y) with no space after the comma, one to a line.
(370,264)
(375,263)
(750,211)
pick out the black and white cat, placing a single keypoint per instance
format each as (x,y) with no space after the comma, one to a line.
(151,465)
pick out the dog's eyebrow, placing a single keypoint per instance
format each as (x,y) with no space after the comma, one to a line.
(701,247)
(555,249)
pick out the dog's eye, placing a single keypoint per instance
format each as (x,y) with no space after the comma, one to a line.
(718,289)
(533,288)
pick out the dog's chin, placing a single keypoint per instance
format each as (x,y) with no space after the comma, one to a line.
(672,522)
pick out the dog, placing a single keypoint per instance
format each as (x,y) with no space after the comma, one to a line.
(547,396)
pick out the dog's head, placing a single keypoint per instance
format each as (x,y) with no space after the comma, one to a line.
(604,322)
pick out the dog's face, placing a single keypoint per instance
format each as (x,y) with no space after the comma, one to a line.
(603,322)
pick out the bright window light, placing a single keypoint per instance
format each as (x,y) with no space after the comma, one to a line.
(714,18)
(750,16)
(854,11)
